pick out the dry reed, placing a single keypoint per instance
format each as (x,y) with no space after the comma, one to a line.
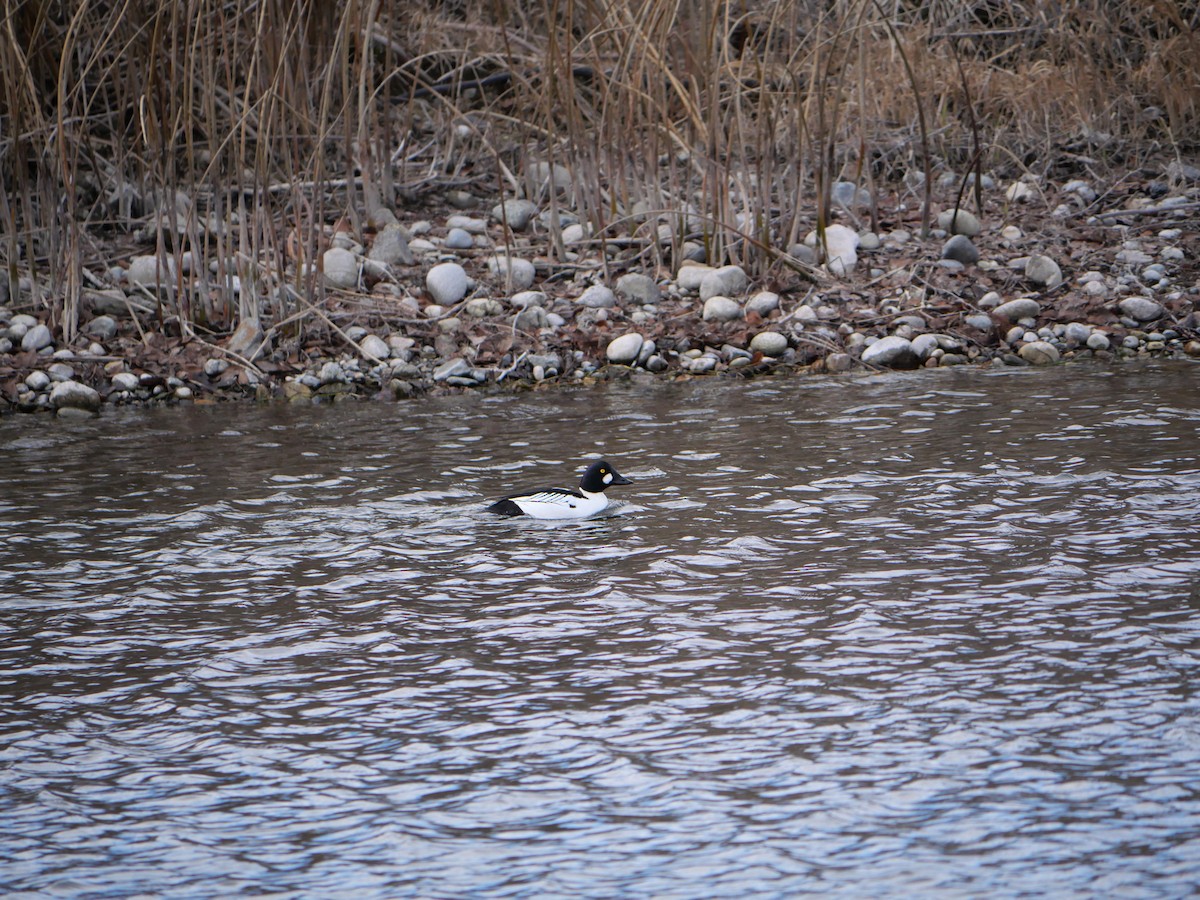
(235,134)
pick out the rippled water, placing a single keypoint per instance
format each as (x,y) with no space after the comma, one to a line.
(926,635)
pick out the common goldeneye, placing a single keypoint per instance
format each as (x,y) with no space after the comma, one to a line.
(559,503)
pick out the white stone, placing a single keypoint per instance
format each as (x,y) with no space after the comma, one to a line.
(892,351)
(125,381)
(374,346)
(721,309)
(625,349)
(447,283)
(598,296)
(517,273)
(959,222)
(769,343)
(340,267)
(639,288)
(1021,308)
(1043,270)
(517,213)
(763,303)
(1142,309)
(458,239)
(148,271)
(36,338)
(1039,353)
(467,223)
(688,278)
(74,395)
(1019,192)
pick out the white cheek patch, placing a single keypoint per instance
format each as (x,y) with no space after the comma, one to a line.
(607,478)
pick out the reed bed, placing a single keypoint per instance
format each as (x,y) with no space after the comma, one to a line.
(230,137)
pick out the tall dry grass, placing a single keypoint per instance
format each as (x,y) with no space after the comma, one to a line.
(239,132)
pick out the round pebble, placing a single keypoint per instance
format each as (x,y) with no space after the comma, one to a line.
(518,273)
(769,343)
(340,267)
(598,296)
(459,239)
(625,349)
(1142,309)
(959,222)
(447,283)
(721,309)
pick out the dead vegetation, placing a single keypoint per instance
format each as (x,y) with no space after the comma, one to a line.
(230,137)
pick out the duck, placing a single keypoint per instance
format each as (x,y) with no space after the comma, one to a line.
(561,503)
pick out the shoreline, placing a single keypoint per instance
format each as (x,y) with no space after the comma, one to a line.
(469,301)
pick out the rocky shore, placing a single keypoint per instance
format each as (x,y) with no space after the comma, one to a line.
(467,297)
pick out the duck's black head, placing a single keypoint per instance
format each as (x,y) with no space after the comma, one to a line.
(599,476)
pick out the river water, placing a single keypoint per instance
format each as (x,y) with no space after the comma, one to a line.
(933,634)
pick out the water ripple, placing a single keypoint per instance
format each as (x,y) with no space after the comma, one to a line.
(931,635)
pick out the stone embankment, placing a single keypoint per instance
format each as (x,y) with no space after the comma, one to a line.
(463,300)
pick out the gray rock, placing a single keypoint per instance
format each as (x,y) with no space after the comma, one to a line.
(769,343)
(1021,308)
(518,274)
(839,362)
(979,321)
(480,307)
(712,285)
(447,283)
(61,372)
(1039,353)
(891,352)
(451,368)
(721,309)
(518,213)
(639,288)
(546,175)
(735,280)
(214,367)
(1097,341)
(625,349)
(701,365)
(459,239)
(803,253)
(331,373)
(531,318)
(1043,270)
(391,246)
(545,360)
(763,303)
(847,194)
(125,381)
(37,381)
(960,249)
(959,222)
(924,344)
(525,299)
(1133,256)
(1077,333)
(73,395)
(648,350)
(340,268)
(147,270)
(688,278)
(374,346)
(598,296)
(36,338)
(1142,309)
(102,327)
(467,223)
